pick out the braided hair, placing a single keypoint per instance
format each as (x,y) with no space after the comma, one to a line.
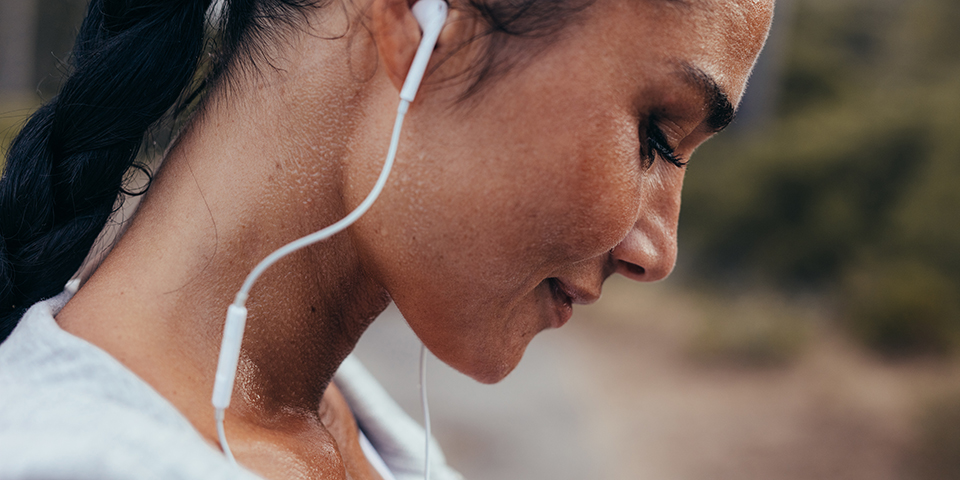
(132,61)
(65,169)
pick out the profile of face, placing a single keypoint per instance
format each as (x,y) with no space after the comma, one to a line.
(508,207)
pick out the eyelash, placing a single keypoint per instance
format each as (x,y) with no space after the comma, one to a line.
(657,145)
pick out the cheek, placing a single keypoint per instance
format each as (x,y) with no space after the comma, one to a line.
(603,191)
(506,209)
(476,219)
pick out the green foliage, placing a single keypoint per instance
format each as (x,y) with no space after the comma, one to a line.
(902,307)
(797,204)
(854,190)
(13,114)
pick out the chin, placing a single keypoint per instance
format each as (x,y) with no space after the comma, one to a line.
(484,363)
(491,357)
(484,343)
(493,374)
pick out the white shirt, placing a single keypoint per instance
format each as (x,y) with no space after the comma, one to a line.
(68,410)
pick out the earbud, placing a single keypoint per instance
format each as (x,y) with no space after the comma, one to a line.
(431,15)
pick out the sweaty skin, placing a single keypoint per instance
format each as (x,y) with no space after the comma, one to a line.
(504,209)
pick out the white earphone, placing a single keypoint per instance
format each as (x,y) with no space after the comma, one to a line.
(431,16)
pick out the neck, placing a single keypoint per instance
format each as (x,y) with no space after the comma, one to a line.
(158,301)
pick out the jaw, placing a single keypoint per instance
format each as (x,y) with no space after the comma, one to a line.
(484,342)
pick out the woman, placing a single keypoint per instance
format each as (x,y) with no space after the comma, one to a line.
(544,153)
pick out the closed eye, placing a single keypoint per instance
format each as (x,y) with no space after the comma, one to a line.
(657,145)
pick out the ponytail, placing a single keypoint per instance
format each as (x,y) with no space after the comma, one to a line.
(65,170)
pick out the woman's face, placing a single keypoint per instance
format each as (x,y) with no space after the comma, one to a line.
(505,210)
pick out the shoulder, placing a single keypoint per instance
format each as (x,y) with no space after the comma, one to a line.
(56,436)
(70,411)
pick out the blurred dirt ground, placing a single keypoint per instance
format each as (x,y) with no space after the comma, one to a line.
(654,383)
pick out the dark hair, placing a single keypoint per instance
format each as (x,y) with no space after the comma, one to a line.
(132,61)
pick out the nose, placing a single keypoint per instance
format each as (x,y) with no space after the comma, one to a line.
(647,254)
(649,250)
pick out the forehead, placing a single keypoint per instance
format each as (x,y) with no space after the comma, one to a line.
(718,37)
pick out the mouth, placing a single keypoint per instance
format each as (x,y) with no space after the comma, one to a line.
(562,301)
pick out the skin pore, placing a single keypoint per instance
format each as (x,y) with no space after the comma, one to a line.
(502,211)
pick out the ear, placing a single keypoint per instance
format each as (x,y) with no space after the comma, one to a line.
(397,36)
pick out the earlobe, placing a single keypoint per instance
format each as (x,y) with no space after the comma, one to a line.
(397,37)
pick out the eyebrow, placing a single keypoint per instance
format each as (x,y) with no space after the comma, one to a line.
(721,111)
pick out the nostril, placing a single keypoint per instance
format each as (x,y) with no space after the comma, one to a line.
(646,257)
(632,268)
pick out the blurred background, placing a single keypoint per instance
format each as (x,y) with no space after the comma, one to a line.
(812,327)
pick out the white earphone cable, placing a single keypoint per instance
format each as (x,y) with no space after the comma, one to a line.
(426,411)
(223,436)
(336,227)
(431,16)
(237,313)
